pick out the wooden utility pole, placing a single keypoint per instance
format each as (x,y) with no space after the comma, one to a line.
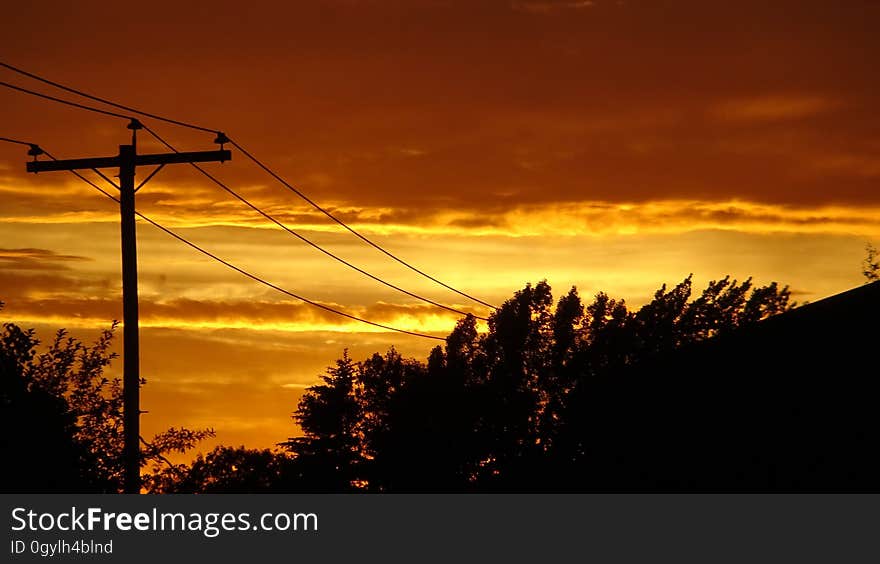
(127,162)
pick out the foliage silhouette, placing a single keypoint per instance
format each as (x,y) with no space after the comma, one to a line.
(871,264)
(505,410)
(708,392)
(224,470)
(62,418)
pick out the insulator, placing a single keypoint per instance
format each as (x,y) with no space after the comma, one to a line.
(35,151)
(221,139)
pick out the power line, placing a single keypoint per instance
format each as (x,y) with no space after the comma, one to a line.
(103,100)
(255,208)
(304,239)
(17,142)
(236,268)
(259,164)
(280,289)
(352,230)
(62,101)
(245,201)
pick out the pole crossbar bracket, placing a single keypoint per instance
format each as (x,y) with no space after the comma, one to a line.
(151,175)
(139,160)
(102,175)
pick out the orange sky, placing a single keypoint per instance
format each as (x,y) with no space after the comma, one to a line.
(612,145)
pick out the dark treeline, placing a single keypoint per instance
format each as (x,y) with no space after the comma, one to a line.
(518,408)
(513,409)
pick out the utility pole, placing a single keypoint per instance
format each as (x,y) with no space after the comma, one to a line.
(127,162)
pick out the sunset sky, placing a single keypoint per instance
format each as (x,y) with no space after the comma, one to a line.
(612,145)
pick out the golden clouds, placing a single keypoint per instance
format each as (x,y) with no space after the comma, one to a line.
(256,315)
(36,259)
(198,205)
(677,216)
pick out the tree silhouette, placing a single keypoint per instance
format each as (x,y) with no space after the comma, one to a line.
(521,407)
(507,410)
(39,445)
(871,264)
(330,416)
(225,470)
(62,418)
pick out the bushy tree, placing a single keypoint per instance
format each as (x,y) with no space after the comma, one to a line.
(330,416)
(496,411)
(225,470)
(62,417)
(502,410)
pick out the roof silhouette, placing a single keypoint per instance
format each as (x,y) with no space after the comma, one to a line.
(789,404)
